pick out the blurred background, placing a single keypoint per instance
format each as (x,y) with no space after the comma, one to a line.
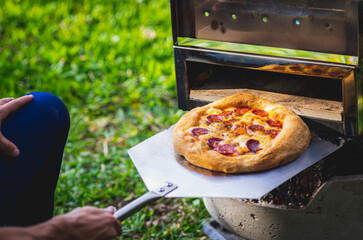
(112,64)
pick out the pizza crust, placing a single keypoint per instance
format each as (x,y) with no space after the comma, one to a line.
(287,146)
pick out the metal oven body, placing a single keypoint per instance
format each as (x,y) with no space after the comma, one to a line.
(305,55)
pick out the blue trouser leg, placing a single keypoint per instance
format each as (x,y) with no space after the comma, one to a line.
(27,183)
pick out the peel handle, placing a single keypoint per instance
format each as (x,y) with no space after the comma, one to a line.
(143,200)
(136,205)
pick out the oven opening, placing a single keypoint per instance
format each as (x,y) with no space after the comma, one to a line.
(309,96)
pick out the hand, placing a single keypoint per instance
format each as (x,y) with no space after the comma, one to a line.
(87,223)
(92,223)
(7,106)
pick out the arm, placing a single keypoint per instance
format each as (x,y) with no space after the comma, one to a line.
(82,223)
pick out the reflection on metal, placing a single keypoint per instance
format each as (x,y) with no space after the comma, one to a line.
(358,76)
(271,51)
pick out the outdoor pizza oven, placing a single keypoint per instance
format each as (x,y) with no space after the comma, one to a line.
(303,54)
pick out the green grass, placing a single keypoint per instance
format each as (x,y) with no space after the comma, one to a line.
(112,64)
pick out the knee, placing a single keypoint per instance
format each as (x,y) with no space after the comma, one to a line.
(48,107)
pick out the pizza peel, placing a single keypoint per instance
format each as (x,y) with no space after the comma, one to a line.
(167,174)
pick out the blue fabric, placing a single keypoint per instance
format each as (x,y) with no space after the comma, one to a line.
(27,182)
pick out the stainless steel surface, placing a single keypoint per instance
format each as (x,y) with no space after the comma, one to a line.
(264,50)
(157,162)
(335,212)
(328,26)
(140,202)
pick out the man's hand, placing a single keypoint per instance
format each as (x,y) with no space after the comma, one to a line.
(87,223)
(91,223)
(7,106)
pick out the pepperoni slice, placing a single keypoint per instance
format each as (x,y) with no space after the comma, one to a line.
(213,142)
(273,123)
(253,145)
(256,128)
(241,111)
(196,132)
(226,113)
(215,118)
(226,149)
(272,132)
(260,113)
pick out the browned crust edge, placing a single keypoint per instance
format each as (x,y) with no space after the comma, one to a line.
(286,147)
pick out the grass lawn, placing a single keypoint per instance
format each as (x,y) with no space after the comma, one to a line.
(111,62)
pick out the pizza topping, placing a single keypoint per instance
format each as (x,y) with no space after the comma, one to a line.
(241,133)
(196,132)
(239,129)
(215,118)
(229,123)
(260,113)
(230,131)
(256,128)
(253,145)
(273,123)
(213,142)
(213,111)
(226,113)
(241,111)
(272,132)
(226,149)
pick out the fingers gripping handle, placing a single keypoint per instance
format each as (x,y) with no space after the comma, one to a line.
(143,200)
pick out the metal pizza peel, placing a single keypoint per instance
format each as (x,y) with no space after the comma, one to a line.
(167,174)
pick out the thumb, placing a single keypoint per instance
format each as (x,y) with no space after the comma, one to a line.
(110,209)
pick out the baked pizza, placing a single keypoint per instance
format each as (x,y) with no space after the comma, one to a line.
(240,133)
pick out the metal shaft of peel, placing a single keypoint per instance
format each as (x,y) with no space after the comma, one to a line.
(136,205)
(143,200)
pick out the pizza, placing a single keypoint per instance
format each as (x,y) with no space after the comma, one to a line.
(240,133)
(307,69)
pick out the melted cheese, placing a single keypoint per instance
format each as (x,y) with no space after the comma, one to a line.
(236,129)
